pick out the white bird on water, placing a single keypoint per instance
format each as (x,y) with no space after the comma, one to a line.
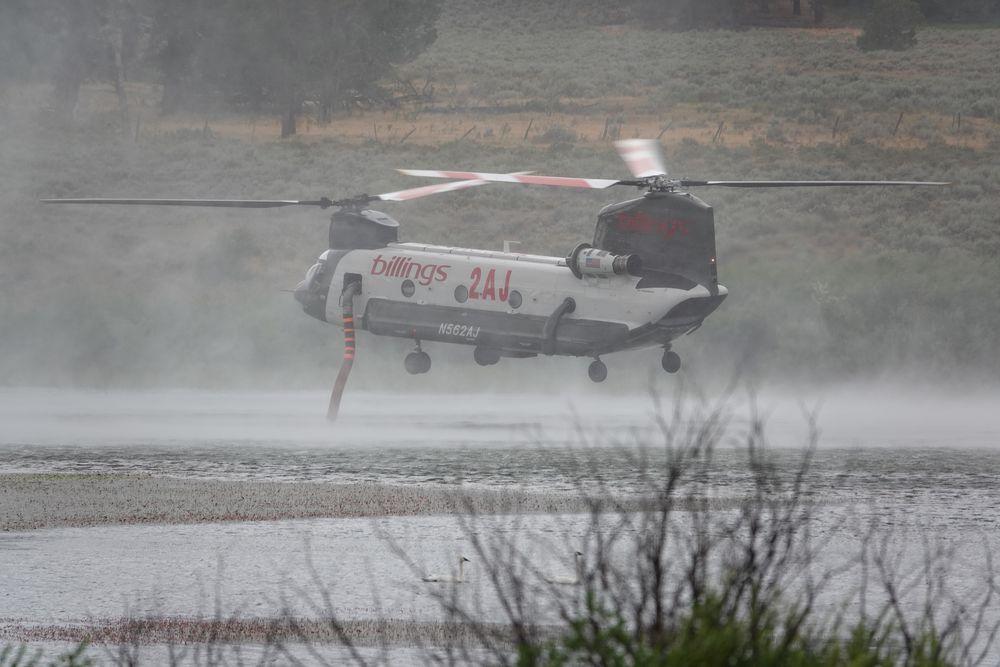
(569,581)
(447,578)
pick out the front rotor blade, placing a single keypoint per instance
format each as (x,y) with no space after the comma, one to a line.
(217,203)
(803,184)
(595,183)
(426,190)
(644,157)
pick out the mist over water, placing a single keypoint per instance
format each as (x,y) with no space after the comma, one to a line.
(867,443)
(862,416)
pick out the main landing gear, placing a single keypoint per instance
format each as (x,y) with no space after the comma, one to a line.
(671,361)
(417,362)
(485,356)
(597,371)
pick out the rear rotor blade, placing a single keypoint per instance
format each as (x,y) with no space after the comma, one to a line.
(527,179)
(644,157)
(802,184)
(217,203)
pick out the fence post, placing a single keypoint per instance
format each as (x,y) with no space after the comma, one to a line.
(718,132)
(407,135)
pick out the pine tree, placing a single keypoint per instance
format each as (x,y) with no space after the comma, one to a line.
(892,24)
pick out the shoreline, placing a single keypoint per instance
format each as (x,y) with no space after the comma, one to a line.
(171,630)
(36,501)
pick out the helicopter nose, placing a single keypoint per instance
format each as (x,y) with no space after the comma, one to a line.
(313,301)
(311,293)
(301,292)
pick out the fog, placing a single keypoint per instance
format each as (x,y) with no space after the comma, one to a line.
(848,418)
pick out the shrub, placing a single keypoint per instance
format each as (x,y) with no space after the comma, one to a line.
(23,657)
(709,634)
(556,134)
(696,586)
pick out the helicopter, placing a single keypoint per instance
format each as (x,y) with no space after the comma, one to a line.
(648,277)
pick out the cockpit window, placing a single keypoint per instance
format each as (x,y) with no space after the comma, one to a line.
(311,273)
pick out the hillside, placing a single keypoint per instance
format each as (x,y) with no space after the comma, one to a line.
(826,286)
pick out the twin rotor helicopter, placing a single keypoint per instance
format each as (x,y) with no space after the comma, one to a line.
(649,275)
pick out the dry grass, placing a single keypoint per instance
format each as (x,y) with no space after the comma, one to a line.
(586,119)
(33,501)
(741,128)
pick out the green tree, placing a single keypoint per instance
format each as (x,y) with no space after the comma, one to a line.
(961,10)
(17,50)
(177,28)
(697,14)
(892,24)
(818,10)
(70,42)
(78,51)
(277,54)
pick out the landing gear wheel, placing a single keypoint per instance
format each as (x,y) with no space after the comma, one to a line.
(598,372)
(485,356)
(671,361)
(417,363)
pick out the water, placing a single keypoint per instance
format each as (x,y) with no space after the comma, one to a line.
(919,466)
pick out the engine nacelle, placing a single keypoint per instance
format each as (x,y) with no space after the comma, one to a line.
(585,260)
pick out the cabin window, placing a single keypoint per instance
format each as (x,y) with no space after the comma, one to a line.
(514,300)
(461,294)
(408,288)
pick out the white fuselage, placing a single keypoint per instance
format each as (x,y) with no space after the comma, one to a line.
(488,282)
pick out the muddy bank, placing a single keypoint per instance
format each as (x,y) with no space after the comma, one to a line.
(180,630)
(33,501)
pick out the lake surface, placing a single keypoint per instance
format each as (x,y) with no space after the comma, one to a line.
(920,467)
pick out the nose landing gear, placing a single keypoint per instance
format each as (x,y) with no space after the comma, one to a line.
(417,362)
(597,371)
